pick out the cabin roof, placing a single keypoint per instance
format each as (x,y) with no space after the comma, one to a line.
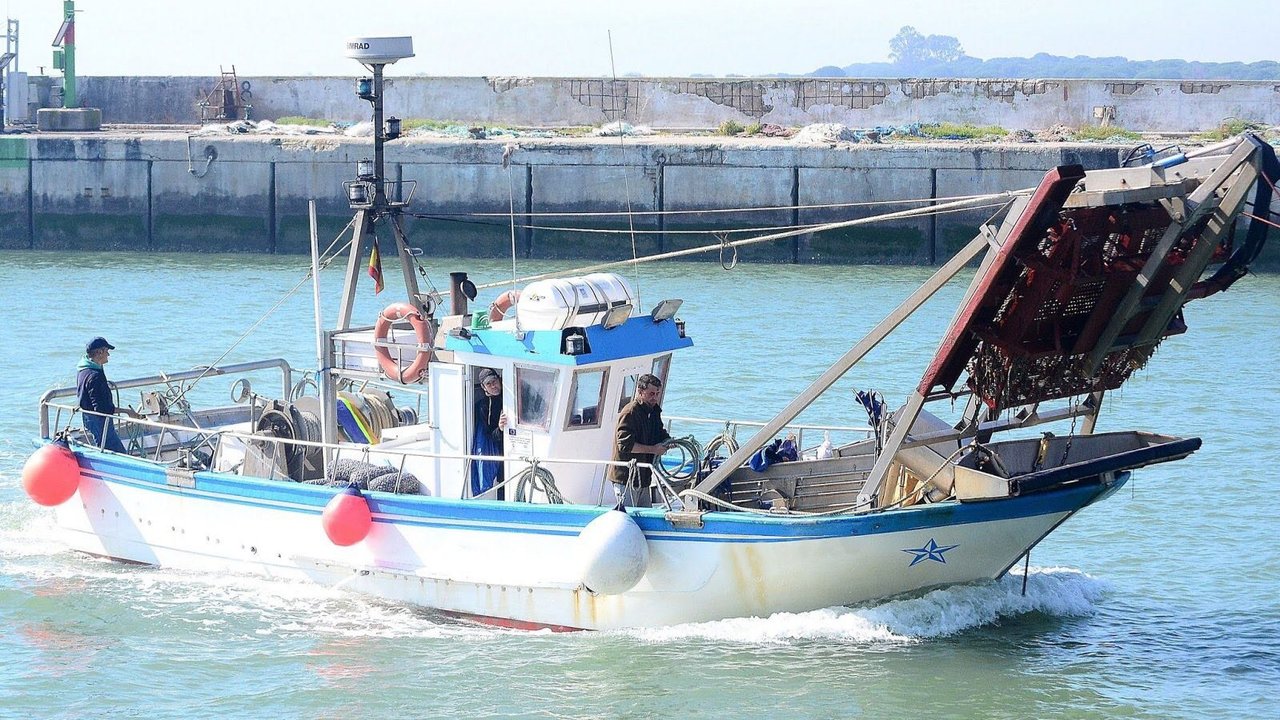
(638,336)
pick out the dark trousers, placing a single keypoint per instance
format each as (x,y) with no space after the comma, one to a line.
(97,426)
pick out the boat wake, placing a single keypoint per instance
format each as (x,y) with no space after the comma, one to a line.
(31,552)
(1054,591)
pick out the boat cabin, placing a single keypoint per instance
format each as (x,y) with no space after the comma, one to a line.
(568,352)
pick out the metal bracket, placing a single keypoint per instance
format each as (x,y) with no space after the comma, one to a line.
(685,520)
(180,477)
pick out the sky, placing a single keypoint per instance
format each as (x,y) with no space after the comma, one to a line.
(650,37)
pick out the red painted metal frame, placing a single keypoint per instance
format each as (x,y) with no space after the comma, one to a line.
(1026,334)
(961,340)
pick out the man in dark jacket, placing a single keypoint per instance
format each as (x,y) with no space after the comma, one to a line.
(97,404)
(641,437)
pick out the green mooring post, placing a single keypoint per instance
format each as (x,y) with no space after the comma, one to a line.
(68,38)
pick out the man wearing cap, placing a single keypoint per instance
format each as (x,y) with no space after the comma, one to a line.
(96,401)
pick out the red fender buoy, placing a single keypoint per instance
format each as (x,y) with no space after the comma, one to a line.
(498,310)
(346,519)
(51,475)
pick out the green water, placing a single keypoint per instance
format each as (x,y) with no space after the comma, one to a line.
(1162,602)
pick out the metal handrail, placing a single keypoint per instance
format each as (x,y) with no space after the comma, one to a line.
(759,423)
(731,427)
(241,435)
(286,372)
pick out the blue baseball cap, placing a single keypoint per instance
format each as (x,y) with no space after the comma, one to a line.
(97,344)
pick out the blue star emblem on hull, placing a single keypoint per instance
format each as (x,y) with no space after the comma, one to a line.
(930,551)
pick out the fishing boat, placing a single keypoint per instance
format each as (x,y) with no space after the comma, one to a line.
(364,473)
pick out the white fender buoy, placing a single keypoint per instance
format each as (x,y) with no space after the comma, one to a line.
(614,553)
(51,475)
(346,519)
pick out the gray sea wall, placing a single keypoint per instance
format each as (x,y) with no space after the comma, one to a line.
(178,192)
(1144,105)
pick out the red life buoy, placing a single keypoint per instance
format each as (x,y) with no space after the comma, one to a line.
(421,328)
(506,301)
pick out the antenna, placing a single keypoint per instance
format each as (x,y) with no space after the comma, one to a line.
(375,53)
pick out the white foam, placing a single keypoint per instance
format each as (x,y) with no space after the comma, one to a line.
(30,549)
(1054,591)
(27,531)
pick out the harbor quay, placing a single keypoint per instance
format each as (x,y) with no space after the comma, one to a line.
(167,183)
(184,191)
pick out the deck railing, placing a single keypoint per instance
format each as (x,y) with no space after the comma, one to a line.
(167,379)
(729,429)
(180,451)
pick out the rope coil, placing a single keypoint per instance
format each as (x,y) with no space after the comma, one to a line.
(687,469)
(534,479)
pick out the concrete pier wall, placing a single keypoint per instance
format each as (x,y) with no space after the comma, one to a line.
(1145,105)
(161,191)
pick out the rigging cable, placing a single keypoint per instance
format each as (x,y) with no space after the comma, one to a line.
(609,231)
(717,211)
(511,208)
(626,181)
(976,202)
(323,264)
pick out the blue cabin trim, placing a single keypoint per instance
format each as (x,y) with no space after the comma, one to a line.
(636,337)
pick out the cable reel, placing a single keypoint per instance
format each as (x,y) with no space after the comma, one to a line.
(284,421)
(687,468)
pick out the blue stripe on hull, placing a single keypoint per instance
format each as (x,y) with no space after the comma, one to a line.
(497,516)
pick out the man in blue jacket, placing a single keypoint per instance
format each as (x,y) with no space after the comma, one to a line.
(96,397)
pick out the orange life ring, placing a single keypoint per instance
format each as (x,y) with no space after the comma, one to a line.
(506,301)
(421,328)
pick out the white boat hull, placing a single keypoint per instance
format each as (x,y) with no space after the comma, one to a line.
(518,564)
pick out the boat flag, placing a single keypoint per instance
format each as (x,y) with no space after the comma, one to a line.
(375,267)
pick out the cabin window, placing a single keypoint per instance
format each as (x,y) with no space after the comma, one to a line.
(587,398)
(628,390)
(536,391)
(661,365)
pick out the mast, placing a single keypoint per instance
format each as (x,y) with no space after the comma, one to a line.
(368,197)
(367,194)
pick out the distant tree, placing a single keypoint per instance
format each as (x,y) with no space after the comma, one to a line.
(941,57)
(828,71)
(909,47)
(943,48)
